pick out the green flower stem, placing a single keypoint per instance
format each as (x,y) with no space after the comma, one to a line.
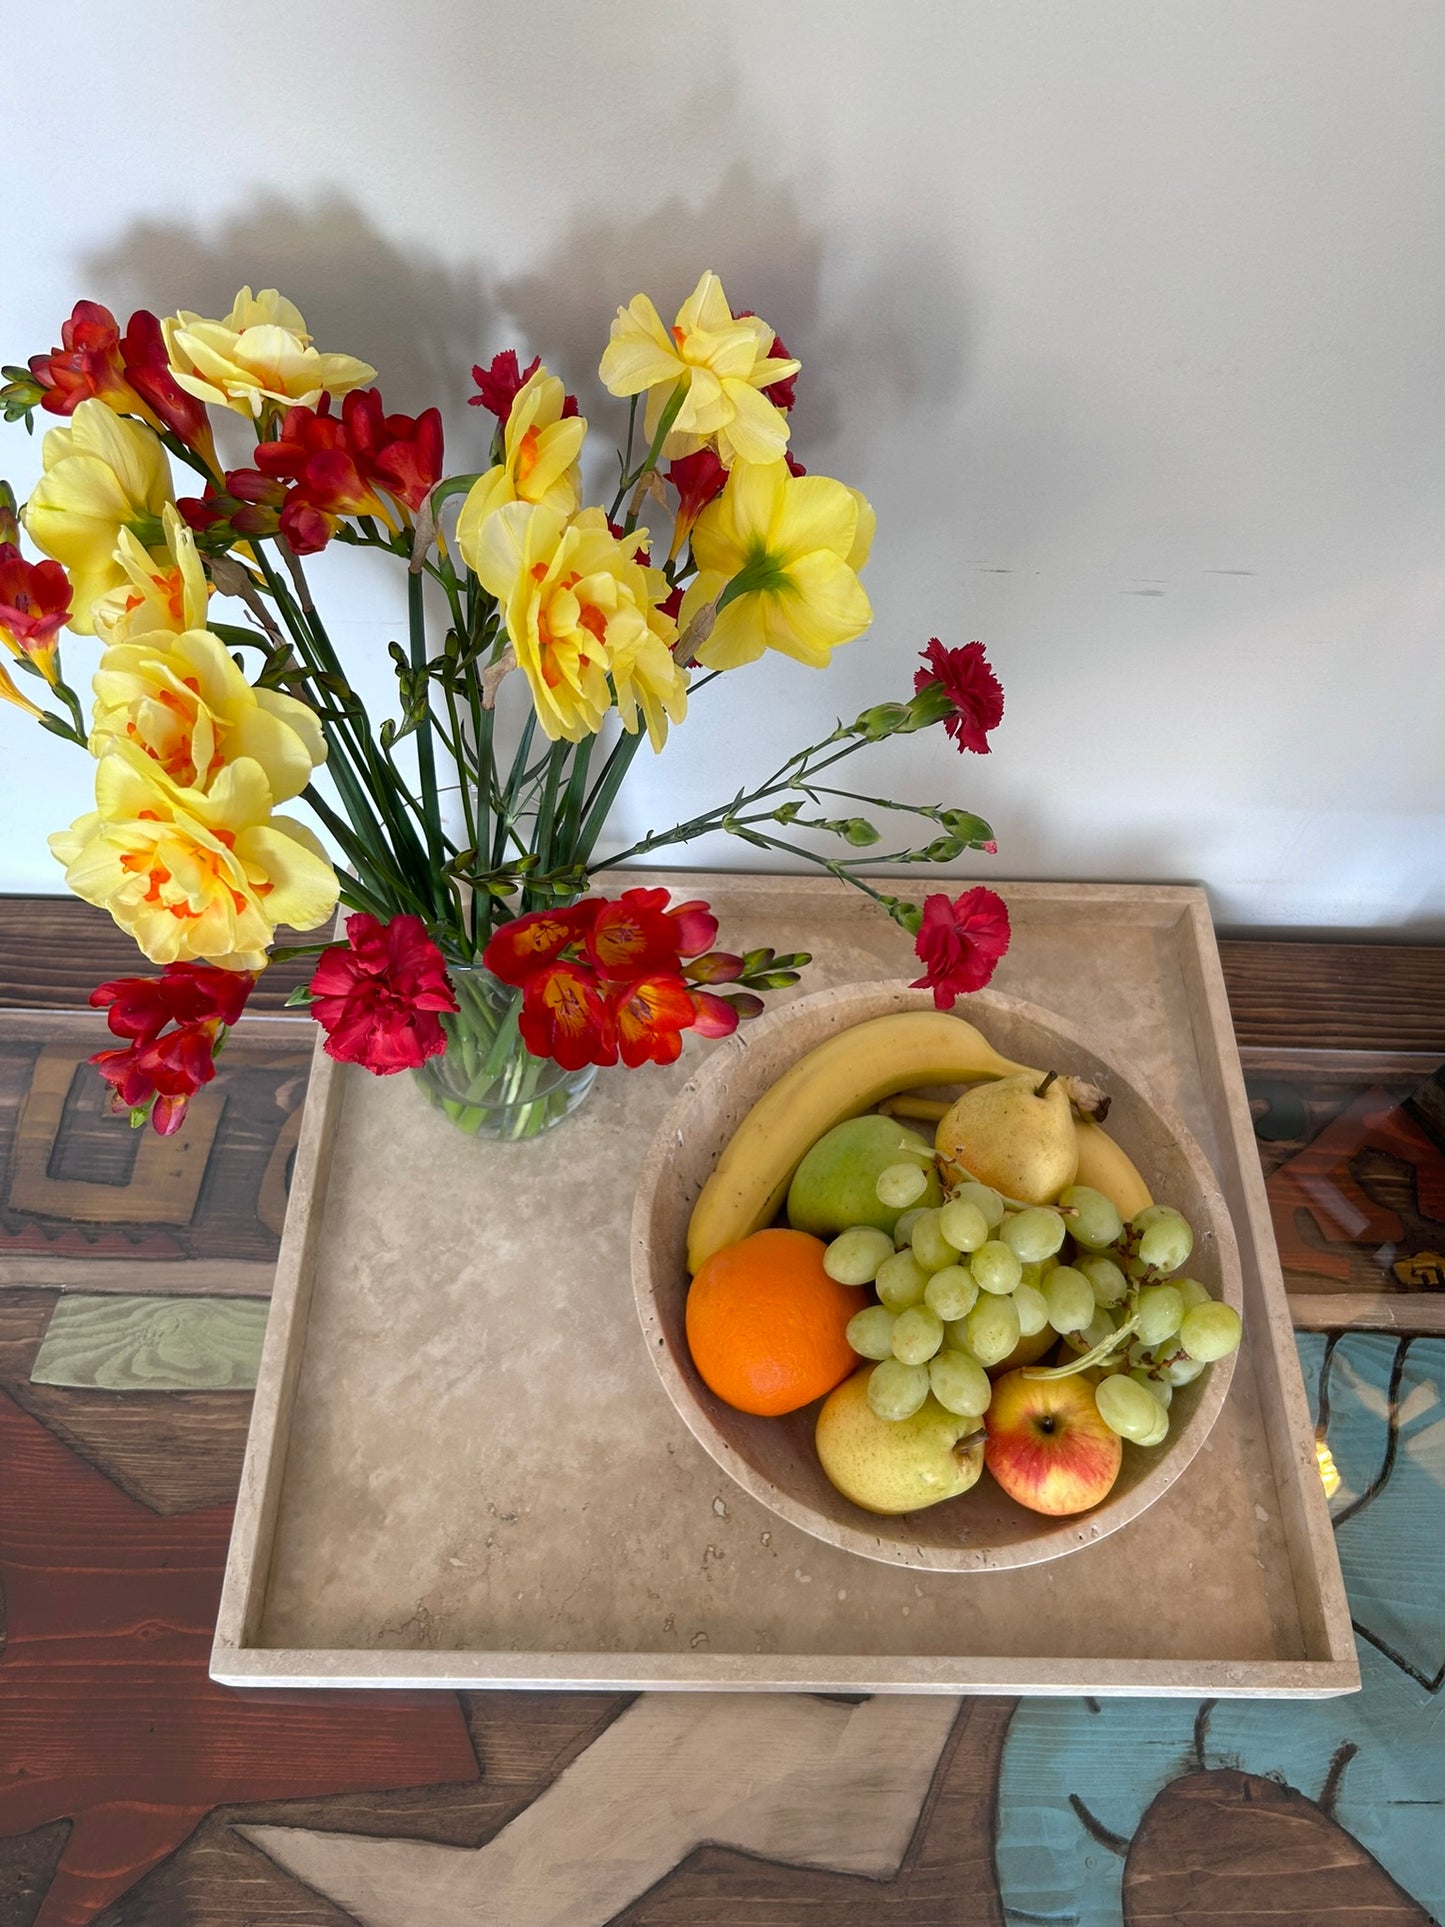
(604,795)
(425,747)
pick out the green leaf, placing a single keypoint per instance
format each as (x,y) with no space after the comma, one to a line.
(299,999)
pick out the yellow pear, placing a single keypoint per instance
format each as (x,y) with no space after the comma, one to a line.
(1015,1133)
(888,1465)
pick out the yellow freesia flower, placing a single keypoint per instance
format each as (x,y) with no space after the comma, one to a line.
(725,362)
(791,547)
(539,462)
(259,353)
(156,595)
(192,876)
(182,700)
(577,607)
(103,474)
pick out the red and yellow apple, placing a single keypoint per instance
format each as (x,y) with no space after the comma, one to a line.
(1047,1445)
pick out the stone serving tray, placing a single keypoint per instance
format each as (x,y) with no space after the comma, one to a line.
(463,1470)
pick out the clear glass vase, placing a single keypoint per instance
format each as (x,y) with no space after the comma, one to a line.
(486,1080)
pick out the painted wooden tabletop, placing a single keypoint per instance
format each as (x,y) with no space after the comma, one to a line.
(133,1790)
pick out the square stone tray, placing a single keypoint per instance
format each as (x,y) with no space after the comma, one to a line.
(464,1472)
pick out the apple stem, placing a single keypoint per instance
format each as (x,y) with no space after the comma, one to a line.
(1100,1355)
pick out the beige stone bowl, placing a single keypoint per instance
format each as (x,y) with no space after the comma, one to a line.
(774,1459)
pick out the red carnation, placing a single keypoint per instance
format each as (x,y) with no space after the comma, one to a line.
(782,394)
(377,996)
(503,382)
(959,944)
(974,691)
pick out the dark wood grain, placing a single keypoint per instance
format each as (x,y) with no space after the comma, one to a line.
(1223,1847)
(1337,996)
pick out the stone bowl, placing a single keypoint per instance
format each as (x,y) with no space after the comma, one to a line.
(773,1459)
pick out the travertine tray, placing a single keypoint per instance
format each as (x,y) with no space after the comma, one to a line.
(464,1472)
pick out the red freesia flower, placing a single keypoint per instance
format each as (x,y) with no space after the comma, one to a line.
(959,943)
(651,1015)
(311,453)
(148,367)
(635,936)
(501,383)
(34,607)
(968,681)
(377,996)
(400,452)
(87,366)
(712,1016)
(698,479)
(249,504)
(566,1017)
(525,946)
(161,1068)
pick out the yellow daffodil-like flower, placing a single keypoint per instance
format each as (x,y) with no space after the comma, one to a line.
(787,548)
(103,474)
(577,604)
(259,353)
(539,463)
(724,362)
(157,594)
(195,876)
(182,700)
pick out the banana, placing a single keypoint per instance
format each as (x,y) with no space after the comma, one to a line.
(1108,1168)
(839,1078)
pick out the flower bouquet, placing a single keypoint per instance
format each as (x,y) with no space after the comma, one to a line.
(546,639)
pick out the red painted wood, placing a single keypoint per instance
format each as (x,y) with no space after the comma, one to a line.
(107,1714)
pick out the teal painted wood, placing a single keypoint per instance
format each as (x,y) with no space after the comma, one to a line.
(125,1344)
(1069,1762)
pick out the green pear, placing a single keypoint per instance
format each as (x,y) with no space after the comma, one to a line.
(1015,1133)
(834,1186)
(896,1465)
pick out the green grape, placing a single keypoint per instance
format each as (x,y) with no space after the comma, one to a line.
(963,1224)
(854,1256)
(1128,1409)
(1183,1371)
(1192,1292)
(903,1230)
(1160,1432)
(992,1328)
(986,1198)
(900,1185)
(1092,1218)
(1035,1274)
(870,1332)
(955,1335)
(1166,1244)
(932,1250)
(960,1384)
(1110,1286)
(900,1281)
(1033,1235)
(896,1390)
(1070,1299)
(1160,1309)
(1032,1307)
(1153,1214)
(917,1335)
(1159,1387)
(1210,1331)
(995,1268)
(951,1292)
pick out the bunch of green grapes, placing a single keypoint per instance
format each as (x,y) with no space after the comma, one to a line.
(958,1287)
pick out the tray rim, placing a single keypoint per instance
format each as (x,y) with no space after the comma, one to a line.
(1330,1666)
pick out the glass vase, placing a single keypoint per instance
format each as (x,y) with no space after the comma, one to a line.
(486,1080)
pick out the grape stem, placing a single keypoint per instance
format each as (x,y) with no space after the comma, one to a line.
(1100,1355)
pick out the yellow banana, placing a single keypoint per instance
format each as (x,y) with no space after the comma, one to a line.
(1107,1168)
(842,1077)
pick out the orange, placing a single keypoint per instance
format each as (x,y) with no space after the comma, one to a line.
(767,1326)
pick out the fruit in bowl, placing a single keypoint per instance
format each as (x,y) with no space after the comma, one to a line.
(1079,1285)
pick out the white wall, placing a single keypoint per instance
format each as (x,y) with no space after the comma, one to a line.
(1126,314)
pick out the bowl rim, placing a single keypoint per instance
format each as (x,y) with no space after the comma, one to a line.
(1062,1535)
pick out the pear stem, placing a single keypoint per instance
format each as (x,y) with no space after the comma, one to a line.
(1049,1077)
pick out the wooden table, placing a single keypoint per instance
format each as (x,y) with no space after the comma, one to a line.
(133,1790)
